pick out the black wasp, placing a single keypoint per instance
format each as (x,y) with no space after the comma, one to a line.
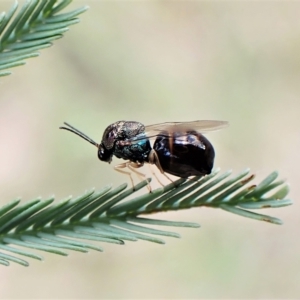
(179,148)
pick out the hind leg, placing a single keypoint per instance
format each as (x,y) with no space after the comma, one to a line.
(154,160)
(158,180)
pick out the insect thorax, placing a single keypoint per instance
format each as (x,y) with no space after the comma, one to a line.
(117,137)
(137,151)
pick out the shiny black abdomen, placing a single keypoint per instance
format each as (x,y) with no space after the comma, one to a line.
(184,156)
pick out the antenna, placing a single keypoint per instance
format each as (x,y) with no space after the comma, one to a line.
(77,132)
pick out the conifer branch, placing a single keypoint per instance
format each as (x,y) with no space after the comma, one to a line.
(113,216)
(32,28)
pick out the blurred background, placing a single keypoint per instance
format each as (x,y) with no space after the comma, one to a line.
(158,61)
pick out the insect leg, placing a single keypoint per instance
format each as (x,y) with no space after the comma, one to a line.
(122,166)
(154,174)
(134,165)
(154,160)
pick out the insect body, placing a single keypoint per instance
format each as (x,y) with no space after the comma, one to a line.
(179,148)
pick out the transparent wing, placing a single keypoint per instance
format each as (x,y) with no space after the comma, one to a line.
(180,128)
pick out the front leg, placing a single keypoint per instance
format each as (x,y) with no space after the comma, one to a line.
(122,166)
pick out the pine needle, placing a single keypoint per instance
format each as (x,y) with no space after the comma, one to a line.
(33,27)
(115,215)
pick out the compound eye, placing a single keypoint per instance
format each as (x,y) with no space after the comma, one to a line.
(110,137)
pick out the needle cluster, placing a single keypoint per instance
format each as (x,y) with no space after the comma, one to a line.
(116,216)
(31,28)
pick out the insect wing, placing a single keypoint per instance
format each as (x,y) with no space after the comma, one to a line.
(180,128)
(202,126)
(168,129)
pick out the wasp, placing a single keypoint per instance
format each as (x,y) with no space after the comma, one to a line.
(179,149)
